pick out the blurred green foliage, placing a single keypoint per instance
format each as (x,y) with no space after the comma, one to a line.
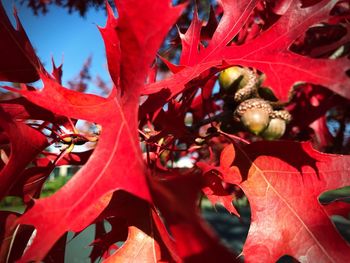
(51,186)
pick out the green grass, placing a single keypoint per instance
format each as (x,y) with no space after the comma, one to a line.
(51,186)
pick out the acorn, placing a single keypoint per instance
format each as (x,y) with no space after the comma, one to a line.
(277,125)
(254,114)
(228,76)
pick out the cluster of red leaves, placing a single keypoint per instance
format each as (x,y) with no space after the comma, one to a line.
(151,204)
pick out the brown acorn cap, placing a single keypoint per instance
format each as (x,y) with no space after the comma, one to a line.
(281,114)
(249,89)
(254,103)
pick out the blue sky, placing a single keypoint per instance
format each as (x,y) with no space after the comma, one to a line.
(59,34)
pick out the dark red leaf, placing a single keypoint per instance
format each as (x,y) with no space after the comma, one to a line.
(18,62)
(13,237)
(177,196)
(26,143)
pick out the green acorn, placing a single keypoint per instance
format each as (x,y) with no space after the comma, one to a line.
(228,76)
(246,82)
(277,125)
(254,114)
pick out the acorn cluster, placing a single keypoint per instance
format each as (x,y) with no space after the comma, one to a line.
(258,115)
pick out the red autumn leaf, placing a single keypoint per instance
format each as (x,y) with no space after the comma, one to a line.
(338,208)
(191,41)
(88,193)
(26,143)
(315,100)
(176,195)
(203,104)
(268,52)
(213,187)
(130,48)
(104,242)
(7,220)
(13,237)
(21,108)
(140,228)
(57,72)
(30,184)
(227,156)
(57,252)
(18,62)
(32,180)
(138,245)
(322,138)
(283,190)
(217,194)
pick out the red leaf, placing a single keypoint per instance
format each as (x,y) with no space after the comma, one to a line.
(209,29)
(7,230)
(216,193)
(282,67)
(26,143)
(227,156)
(104,242)
(176,195)
(129,52)
(172,67)
(338,208)
(13,237)
(57,72)
(283,189)
(31,182)
(117,161)
(213,187)
(134,218)
(190,41)
(236,13)
(18,61)
(21,108)
(139,245)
